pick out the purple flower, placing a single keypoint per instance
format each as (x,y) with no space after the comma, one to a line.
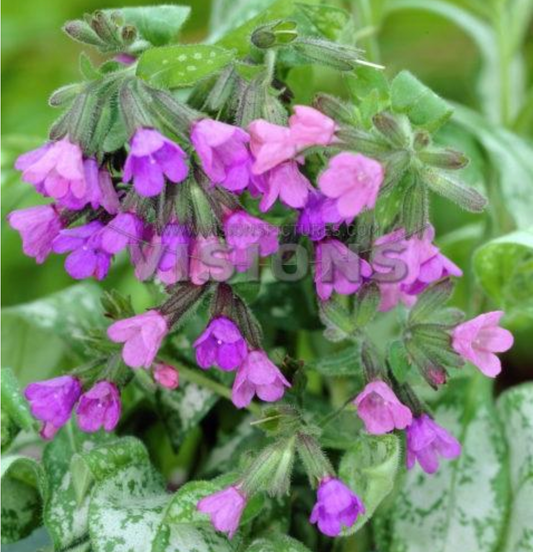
(142,336)
(353,181)
(478,339)
(51,401)
(87,258)
(38,226)
(56,170)
(406,265)
(221,344)
(336,507)
(224,154)
(224,508)
(258,375)
(123,230)
(285,182)
(99,407)
(100,190)
(248,237)
(380,409)
(426,441)
(153,157)
(209,261)
(338,269)
(271,145)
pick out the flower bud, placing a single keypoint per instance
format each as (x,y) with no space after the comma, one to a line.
(277,33)
(314,460)
(447,158)
(82,32)
(335,108)
(395,129)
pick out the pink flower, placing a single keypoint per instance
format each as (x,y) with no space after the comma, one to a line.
(51,401)
(142,335)
(167,376)
(258,375)
(224,508)
(209,261)
(337,506)
(100,189)
(38,226)
(380,409)
(285,182)
(338,269)
(271,145)
(56,170)
(426,441)
(309,127)
(152,158)
(99,407)
(353,180)
(248,237)
(478,339)
(224,154)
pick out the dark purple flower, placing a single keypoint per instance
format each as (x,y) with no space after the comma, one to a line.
(87,258)
(426,441)
(223,151)
(248,237)
(99,407)
(221,344)
(258,375)
(337,506)
(225,509)
(51,401)
(338,269)
(38,226)
(153,157)
(142,336)
(123,230)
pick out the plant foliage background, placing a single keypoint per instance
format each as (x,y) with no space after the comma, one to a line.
(478,54)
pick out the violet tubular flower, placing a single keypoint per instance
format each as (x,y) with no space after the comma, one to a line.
(221,344)
(225,509)
(426,441)
(51,401)
(337,506)
(142,336)
(99,408)
(151,159)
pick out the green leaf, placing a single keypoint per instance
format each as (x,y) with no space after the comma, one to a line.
(504,268)
(329,21)
(157,24)
(277,543)
(22,486)
(343,363)
(423,107)
(430,302)
(365,80)
(339,324)
(13,403)
(370,470)
(462,506)
(399,361)
(515,407)
(181,66)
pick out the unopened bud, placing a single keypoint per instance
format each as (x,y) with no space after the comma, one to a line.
(64,95)
(446,158)
(421,140)
(335,108)
(105,28)
(167,376)
(223,89)
(313,458)
(394,128)
(128,34)
(278,33)
(81,31)
(415,209)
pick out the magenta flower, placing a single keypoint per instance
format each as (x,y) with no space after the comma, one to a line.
(87,258)
(380,409)
(478,339)
(224,508)
(337,506)
(285,182)
(167,376)
(309,127)
(100,189)
(142,336)
(224,154)
(123,230)
(209,261)
(406,266)
(258,376)
(153,157)
(271,145)
(56,170)
(51,401)
(353,181)
(221,344)
(99,407)
(38,226)
(338,269)
(249,237)
(426,441)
